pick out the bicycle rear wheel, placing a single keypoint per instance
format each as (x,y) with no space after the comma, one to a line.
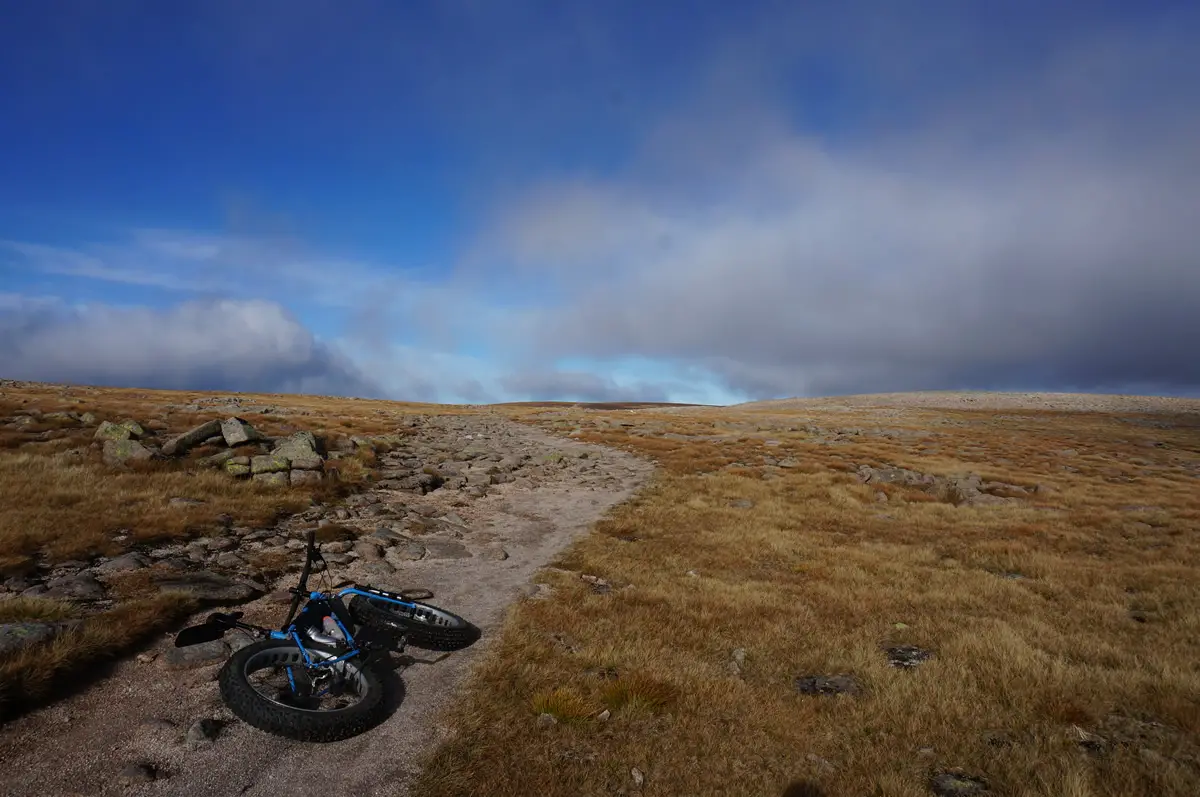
(425,625)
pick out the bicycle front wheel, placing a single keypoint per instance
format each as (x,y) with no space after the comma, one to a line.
(268,686)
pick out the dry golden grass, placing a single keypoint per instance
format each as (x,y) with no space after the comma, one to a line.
(1097,641)
(67,511)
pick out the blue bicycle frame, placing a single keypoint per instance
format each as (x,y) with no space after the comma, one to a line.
(293,634)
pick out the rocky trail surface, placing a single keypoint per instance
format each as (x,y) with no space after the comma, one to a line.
(469,508)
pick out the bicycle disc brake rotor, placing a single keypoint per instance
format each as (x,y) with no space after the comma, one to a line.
(288,682)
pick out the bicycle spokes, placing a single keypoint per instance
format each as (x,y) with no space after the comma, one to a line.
(282,677)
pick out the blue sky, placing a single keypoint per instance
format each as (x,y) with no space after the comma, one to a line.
(713,202)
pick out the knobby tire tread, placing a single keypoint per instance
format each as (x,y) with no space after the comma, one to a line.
(255,710)
(420,634)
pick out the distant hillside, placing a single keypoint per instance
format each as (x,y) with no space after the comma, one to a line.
(597,405)
(935,399)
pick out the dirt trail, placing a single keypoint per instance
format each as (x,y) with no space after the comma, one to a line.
(141,712)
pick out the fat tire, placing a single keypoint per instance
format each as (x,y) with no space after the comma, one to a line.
(305,726)
(420,632)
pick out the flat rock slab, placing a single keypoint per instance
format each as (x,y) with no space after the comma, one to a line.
(206,586)
(446,549)
(828,685)
(406,552)
(81,586)
(907,656)
(367,549)
(14,636)
(189,439)
(957,784)
(196,655)
(123,564)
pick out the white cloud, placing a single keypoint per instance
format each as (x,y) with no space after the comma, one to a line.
(1020,238)
(221,265)
(215,345)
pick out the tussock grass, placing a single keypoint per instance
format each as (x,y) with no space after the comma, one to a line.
(15,610)
(1058,616)
(66,510)
(70,660)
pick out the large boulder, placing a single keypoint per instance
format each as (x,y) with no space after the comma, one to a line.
(119,452)
(269,463)
(220,458)
(308,463)
(301,445)
(81,586)
(135,429)
(107,430)
(275,479)
(299,477)
(189,439)
(14,636)
(235,431)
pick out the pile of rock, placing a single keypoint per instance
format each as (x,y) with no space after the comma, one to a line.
(43,427)
(124,442)
(967,490)
(234,404)
(206,569)
(249,454)
(297,459)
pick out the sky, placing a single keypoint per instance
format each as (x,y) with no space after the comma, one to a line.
(467,201)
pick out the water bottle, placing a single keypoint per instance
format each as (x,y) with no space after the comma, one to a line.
(331,628)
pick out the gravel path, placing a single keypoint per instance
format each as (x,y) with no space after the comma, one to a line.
(142,711)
